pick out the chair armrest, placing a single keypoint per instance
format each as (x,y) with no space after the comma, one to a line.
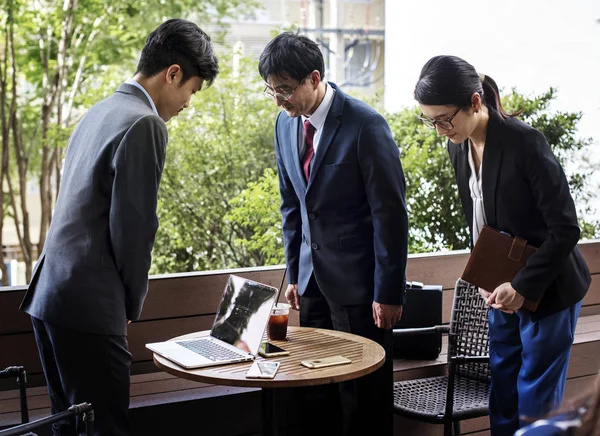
(21,375)
(84,409)
(12,371)
(420,331)
(465,359)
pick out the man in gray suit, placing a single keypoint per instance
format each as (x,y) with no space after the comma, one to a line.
(92,277)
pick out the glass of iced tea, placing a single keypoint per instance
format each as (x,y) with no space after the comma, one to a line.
(278,322)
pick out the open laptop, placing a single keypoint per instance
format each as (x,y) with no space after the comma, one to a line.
(236,333)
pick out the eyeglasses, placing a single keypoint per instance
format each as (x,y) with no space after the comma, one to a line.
(443,124)
(269,92)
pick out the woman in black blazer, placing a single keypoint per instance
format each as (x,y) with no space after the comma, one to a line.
(509,179)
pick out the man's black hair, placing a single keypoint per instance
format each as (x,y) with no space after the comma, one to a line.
(291,55)
(183,43)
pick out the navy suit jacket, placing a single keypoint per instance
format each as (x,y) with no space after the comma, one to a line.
(526,194)
(348,225)
(92,275)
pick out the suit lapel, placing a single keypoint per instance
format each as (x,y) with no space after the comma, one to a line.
(463,172)
(492,160)
(294,126)
(330,128)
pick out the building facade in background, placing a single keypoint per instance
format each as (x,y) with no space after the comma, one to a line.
(350,32)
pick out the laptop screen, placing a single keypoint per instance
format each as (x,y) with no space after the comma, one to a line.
(243,313)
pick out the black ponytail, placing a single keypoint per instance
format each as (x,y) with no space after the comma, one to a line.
(492,97)
(450,80)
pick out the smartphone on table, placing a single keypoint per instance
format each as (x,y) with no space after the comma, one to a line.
(268,349)
(325,361)
(263,369)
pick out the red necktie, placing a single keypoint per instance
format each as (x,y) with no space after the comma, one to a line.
(309,152)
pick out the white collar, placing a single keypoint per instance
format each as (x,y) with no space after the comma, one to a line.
(137,85)
(317,119)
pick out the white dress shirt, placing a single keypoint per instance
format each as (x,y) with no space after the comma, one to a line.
(476,189)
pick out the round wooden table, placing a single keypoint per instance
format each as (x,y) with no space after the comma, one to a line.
(302,343)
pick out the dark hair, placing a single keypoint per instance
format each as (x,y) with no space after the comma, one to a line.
(590,422)
(291,55)
(450,80)
(183,43)
(587,406)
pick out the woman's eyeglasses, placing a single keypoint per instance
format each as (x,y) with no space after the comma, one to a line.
(442,124)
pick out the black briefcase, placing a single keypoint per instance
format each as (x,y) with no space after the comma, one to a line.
(423,308)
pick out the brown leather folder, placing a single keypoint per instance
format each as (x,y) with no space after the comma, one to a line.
(496,259)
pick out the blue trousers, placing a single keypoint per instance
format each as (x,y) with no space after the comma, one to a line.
(529,362)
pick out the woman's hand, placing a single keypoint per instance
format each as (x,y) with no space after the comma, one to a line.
(485,294)
(506,299)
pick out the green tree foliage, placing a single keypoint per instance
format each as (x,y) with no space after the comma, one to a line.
(436,219)
(216,147)
(255,213)
(57,58)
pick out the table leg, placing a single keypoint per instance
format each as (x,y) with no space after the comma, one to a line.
(270,412)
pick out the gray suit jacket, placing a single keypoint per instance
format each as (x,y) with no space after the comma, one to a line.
(92,275)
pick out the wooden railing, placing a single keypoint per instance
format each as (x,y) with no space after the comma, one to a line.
(181,303)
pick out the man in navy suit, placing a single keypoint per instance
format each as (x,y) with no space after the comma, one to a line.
(345,224)
(92,276)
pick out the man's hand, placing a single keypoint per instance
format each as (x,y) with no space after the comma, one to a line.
(386,315)
(128,321)
(291,294)
(506,299)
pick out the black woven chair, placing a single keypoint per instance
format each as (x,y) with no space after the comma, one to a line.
(21,375)
(464,392)
(84,409)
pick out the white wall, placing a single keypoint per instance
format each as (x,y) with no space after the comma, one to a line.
(527,44)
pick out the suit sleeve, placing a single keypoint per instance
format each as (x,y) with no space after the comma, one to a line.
(290,214)
(550,190)
(137,167)
(385,188)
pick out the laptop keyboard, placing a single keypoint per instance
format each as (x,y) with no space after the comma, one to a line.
(209,349)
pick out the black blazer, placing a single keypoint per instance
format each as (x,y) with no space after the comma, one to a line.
(525,193)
